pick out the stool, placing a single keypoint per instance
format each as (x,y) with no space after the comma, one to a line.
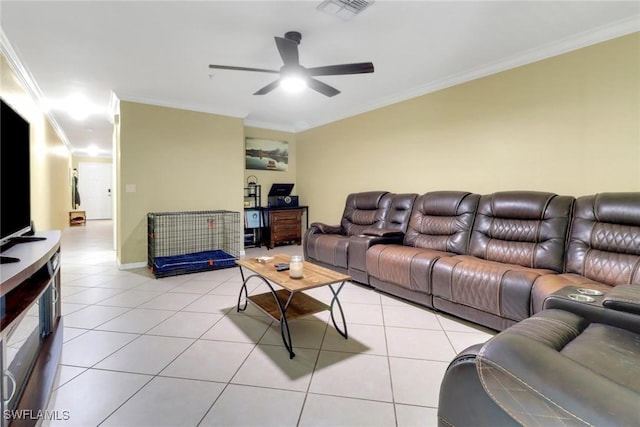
(77,218)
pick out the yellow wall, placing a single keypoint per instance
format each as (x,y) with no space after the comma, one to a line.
(50,157)
(266,178)
(178,160)
(569,124)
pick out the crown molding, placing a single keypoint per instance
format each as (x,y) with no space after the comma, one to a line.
(578,41)
(27,80)
(271,126)
(207,109)
(180,106)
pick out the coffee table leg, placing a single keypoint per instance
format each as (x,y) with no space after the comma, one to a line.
(284,325)
(335,300)
(243,290)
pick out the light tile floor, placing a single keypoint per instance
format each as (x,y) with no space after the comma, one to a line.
(140,351)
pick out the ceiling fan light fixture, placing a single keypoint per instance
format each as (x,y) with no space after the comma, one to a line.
(293,84)
(295,77)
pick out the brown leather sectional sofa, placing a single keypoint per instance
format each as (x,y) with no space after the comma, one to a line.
(492,259)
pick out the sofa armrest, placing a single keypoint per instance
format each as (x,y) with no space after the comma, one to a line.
(382,232)
(623,298)
(357,252)
(615,314)
(326,229)
(461,387)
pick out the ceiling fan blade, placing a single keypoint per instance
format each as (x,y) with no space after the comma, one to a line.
(229,67)
(268,88)
(288,51)
(335,70)
(323,88)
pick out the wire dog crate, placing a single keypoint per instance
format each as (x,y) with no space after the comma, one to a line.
(192,241)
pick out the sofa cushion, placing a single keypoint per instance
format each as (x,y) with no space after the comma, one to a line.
(403,266)
(605,238)
(599,344)
(527,228)
(365,210)
(398,213)
(495,287)
(331,249)
(442,220)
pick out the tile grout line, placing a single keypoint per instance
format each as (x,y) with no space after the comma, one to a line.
(386,342)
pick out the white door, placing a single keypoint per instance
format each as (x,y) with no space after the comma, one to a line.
(94,186)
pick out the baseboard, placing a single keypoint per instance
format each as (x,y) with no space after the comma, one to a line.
(131,266)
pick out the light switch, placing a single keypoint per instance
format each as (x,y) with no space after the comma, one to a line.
(130,188)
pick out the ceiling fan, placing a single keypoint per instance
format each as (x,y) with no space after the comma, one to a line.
(294,76)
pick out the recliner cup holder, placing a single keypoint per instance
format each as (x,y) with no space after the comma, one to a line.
(593,292)
(581,298)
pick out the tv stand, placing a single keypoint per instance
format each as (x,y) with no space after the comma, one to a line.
(30,328)
(15,241)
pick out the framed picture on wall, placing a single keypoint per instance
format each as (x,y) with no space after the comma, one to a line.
(266,154)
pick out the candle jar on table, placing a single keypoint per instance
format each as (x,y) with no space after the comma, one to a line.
(295,267)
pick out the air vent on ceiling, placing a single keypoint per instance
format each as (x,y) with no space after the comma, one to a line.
(345,9)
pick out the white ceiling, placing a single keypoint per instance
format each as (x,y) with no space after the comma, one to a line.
(158,52)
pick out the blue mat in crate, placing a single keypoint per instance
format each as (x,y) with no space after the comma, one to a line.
(190,263)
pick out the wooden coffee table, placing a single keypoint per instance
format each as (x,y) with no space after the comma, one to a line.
(290,302)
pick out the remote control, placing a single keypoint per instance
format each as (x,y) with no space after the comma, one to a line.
(282,266)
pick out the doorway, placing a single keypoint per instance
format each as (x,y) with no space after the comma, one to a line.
(94,186)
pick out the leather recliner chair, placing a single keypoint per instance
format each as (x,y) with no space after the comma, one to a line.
(328,245)
(552,369)
(603,249)
(439,226)
(517,237)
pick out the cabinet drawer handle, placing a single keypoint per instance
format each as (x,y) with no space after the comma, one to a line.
(9,375)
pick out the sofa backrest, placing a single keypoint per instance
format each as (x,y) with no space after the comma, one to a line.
(442,220)
(365,210)
(604,244)
(399,212)
(527,228)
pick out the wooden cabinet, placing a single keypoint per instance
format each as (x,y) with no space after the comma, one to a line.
(285,226)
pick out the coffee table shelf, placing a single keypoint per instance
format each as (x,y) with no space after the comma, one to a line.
(301,304)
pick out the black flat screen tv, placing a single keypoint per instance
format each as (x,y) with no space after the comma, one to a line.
(15,174)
